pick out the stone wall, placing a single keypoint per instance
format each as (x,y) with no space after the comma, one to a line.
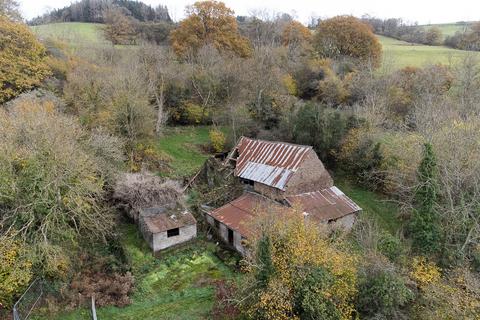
(160,240)
(311,176)
(222,232)
(346,222)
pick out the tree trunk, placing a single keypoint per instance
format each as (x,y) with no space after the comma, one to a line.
(160,113)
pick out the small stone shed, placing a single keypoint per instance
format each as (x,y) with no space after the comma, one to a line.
(163,228)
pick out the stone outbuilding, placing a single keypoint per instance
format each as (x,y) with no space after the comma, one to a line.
(279,175)
(276,169)
(163,228)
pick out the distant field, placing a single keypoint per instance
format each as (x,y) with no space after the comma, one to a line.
(399,54)
(73,33)
(449,29)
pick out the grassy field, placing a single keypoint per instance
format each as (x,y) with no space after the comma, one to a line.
(184,145)
(398,54)
(72,33)
(448,29)
(179,285)
(373,205)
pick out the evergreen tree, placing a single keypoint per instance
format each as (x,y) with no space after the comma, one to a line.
(424,224)
(264,261)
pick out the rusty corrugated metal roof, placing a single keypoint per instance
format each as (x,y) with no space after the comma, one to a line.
(267,162)
(239,214)
(324,205)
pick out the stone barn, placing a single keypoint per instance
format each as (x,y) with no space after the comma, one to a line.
(280,175)
(276,169)
(163,228)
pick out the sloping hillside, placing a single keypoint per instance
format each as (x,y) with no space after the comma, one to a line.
(398,54)
(73,33)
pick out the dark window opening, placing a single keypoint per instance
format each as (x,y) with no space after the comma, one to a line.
(217,224)
(230,236)
(247,182)
(173,232)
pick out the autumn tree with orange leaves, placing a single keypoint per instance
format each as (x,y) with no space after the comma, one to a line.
(209,23)
(296,35)
(347,36)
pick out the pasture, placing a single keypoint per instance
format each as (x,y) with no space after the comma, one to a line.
(449,29)
(72,33)
(398,54)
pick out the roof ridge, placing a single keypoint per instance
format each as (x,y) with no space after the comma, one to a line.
(276,142)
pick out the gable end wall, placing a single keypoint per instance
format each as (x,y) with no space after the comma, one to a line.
(311,176)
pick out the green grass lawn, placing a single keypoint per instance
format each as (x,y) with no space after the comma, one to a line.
(178,285)
(373,205)
(184,146)
(398,54)
(72,33)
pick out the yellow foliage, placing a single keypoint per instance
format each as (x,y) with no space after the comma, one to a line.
(15,270)
(456,296)
(22,59)
(276,302)
(194,113)
(290,85)
(217,139)
(297,243)
(424,272)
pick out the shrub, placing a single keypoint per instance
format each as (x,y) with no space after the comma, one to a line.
(15,270)
(223,307)
(389,246)
(424,272)
(305,275)
(382,292)
(322,128)
(109,289)
(217,139)
(52,182)
(290,85)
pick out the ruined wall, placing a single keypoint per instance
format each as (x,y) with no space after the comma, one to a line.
(311,176)
(160,240)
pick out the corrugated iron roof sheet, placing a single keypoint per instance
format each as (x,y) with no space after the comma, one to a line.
(160,219)
(267,162)
(324,205)
(239,214)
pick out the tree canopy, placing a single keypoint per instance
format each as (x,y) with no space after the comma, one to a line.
(22,59)
(209,23)
(347,36)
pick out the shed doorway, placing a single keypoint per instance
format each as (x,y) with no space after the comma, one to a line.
(230,236)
